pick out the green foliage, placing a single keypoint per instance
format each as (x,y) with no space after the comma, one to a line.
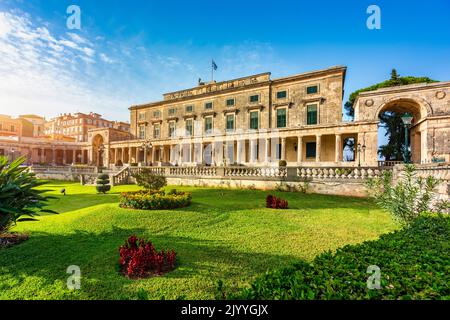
(18,196)
(413,263)
(282,163)
(103,185)
(408,198)
(395,80)
(150,181)
(154,200)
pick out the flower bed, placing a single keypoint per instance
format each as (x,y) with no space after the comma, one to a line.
(154,200)
(276,203)
(139,259)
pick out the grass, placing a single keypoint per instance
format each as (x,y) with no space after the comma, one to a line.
(224,235)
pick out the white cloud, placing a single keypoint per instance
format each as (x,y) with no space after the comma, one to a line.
(46,74)
(106,59)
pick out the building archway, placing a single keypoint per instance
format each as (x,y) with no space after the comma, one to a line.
(98,150)
(391,146)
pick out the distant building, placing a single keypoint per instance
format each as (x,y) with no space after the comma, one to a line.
(37,121)
(78,124)
(15,127)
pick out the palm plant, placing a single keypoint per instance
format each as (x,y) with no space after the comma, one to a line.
(18,194)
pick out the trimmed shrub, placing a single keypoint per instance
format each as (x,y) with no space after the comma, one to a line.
(282,163)
(276,203)
(413,263)
(154,200)
(150,181)
(139,259)
(103,183)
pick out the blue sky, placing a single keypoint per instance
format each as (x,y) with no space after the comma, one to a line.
(130,52)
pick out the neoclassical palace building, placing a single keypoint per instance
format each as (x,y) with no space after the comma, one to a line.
(257,121)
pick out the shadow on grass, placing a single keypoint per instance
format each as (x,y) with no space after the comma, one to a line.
(46,256)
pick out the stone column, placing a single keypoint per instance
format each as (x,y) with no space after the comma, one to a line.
(213,153)
(64,156)
(137,155)
(318,147)
(153,154)
(283,148)
(299,150)
(82,156)
(252,151)
(424,146)
(239,151)
(161,153)
(201,153)
(43,159)
(338,148)
(53,156)
(74,156)
(267,152)
(191,150)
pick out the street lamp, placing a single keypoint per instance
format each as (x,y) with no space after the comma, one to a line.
(101,148)
(146,145)
(407,120)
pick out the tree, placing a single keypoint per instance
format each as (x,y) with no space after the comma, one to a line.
(18,194)
(150,181)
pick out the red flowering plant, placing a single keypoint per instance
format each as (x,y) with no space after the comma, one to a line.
(276,203)
(140,259)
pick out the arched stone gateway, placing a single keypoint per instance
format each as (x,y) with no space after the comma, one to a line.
(429,104)
(98,150)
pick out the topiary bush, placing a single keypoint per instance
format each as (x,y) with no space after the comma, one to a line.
(282,163)
(414,264)
(154,200)
(276,203)
(103,185)
(139,259)
(18,194)
(150,181)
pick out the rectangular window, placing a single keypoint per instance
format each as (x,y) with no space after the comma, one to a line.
(254,115)
(254,98)
(230,122)
(141,115)
(208,106)
(171,129)
(13,128)
(189,127)
(312,89)
(156,114)
(282,94)
(310,150)
(230,102)
(208,125)
(189,108)
(172,111)
(311,111)
(141,132)
(281,118)
(156,130)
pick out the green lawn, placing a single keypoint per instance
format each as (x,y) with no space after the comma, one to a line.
(224,235)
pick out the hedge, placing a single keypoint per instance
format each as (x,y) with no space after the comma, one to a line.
(414,264)
(154,200)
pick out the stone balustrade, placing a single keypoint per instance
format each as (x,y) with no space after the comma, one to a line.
(361,173)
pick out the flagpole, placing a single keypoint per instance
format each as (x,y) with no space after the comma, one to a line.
(212,71)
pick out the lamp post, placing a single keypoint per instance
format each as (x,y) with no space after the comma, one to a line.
(101,148)
(407,120)
(146,145)
(359,154)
